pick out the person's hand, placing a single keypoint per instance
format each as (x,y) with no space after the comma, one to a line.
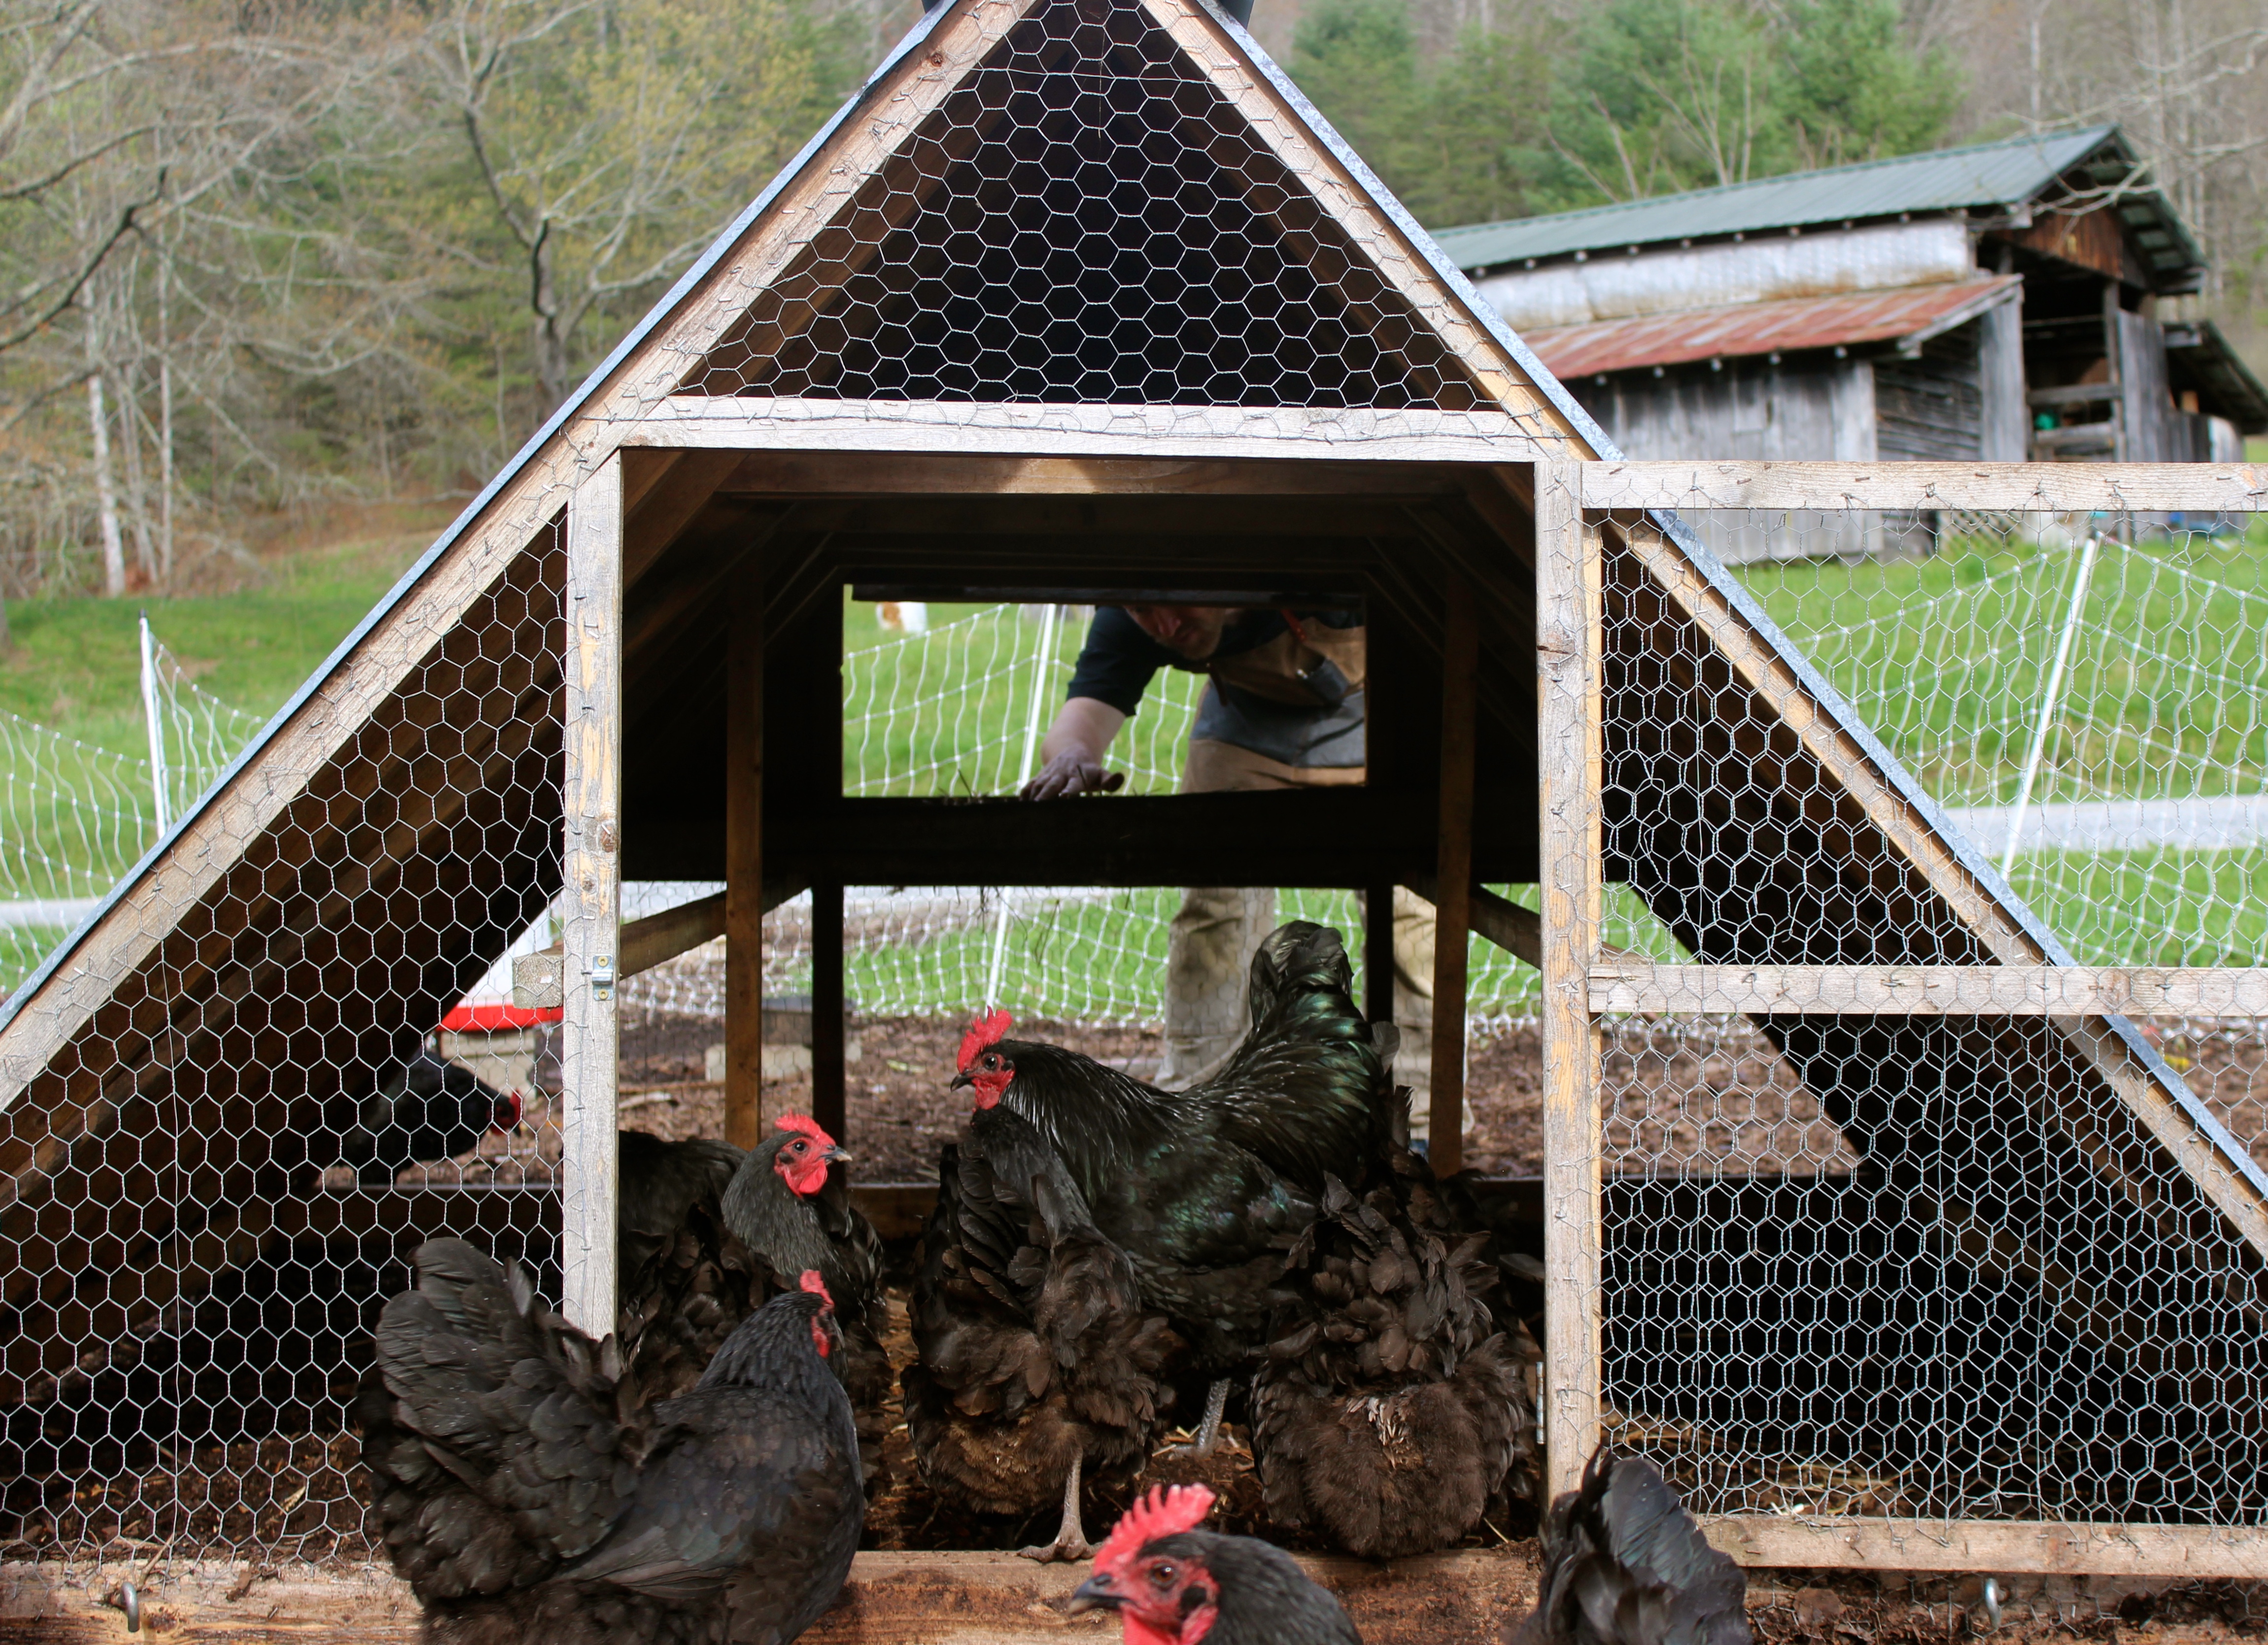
(1073,772)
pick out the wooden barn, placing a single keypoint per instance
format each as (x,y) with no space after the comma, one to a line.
(1992,303)
(1081,296)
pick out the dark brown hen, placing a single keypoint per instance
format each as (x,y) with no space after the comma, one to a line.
(1038,1364)
(1174,1585)
(1391,1410)
(1625,1564)
(789,1206)
(1206,1190)
(524,1500)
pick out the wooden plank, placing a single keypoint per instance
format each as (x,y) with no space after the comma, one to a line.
(1569,648)
(1518,931)
(669,507)
(591,902)
(1027,429)
(1844,487)
(2058,991)
(828,1070)
(831,474)
(2013,1547)
(942,1598)
(1377,951)
(1453,870)
(537,978)
(743,864)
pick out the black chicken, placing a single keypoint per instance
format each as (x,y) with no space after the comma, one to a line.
(1207,1189)
(1173,1584)
(1037,1361)
(789,1205)
(427,1108)
(1390,1409)
(685,1282)
(1625,1564)
(522,1501)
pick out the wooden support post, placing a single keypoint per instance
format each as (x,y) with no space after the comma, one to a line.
(591,902)
(1568,643)
(1377,951)
(828,1074)
(1453,873)
(744,863)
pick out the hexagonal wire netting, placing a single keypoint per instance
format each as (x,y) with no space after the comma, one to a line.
(238,1157)
(1942,1266)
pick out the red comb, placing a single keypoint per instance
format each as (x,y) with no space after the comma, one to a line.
(1167,1511)
(817,1287)
(806,1124)
(985,1030)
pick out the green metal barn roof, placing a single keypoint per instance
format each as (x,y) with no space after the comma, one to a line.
(1994,175)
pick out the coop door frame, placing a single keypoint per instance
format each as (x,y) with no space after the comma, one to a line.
(1585,511)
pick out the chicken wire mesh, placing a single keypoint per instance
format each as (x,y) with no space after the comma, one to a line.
(216,1178)
(1925,1266)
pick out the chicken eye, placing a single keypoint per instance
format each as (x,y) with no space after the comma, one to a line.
(799,1146)
(1162,1574)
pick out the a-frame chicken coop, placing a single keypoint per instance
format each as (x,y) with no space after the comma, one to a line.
(1081,296)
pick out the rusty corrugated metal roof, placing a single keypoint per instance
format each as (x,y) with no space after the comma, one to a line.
(1988,175)
(1740,329)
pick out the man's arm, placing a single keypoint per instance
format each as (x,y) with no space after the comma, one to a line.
(1071,759)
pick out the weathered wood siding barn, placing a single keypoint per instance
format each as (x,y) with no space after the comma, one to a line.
(1994,303)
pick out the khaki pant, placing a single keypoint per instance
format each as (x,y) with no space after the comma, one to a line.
(1210,946)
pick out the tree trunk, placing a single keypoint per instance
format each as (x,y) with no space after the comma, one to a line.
(551,365)
(106,489)
(165,429)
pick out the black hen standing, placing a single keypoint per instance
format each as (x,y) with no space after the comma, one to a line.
(1037,1362)
(522,1501)
(1625,1564)
(1390,1410)
(426,1110)
(685,1282)
(1173,1584)
(789,1206)
(1206,1190)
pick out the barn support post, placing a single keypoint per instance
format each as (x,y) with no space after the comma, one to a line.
(592,898)
(1377,951)
(1452,875)
(744,863)
(1569,644)
(830,1073)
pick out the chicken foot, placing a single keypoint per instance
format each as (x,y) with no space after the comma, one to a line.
(1208,1430)
(1071,1544)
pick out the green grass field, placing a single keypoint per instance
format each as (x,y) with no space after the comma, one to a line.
(1946,657)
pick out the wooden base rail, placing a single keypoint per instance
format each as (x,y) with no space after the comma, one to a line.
(2065,1548)
(2057,991)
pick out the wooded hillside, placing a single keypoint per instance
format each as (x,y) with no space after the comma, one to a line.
(255,253)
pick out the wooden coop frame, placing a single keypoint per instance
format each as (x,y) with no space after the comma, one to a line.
(702,532)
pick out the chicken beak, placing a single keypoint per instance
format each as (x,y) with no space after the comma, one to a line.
(963,1078)
(838,1152)
(1095,1593)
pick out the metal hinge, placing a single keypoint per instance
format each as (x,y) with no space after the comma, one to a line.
(602,976)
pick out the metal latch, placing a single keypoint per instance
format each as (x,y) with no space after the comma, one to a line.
(602,976)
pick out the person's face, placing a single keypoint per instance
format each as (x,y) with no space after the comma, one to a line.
(1193,630)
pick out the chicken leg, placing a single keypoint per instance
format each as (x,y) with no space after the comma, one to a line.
(1208,1430)
(1071,1544)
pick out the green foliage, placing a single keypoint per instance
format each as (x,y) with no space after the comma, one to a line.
(1642,97)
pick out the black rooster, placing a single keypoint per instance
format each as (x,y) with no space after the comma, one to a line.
(427,1109)
(1207,1189)
(789,1206)
(1173,1584)
(521,1501)
(1625,1564)
(1037,1361)
(1390,1409)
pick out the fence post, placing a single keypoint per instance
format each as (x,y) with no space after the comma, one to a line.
(995,972)
(2079,580)
(1568,601)
(592,897)
(159,783)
